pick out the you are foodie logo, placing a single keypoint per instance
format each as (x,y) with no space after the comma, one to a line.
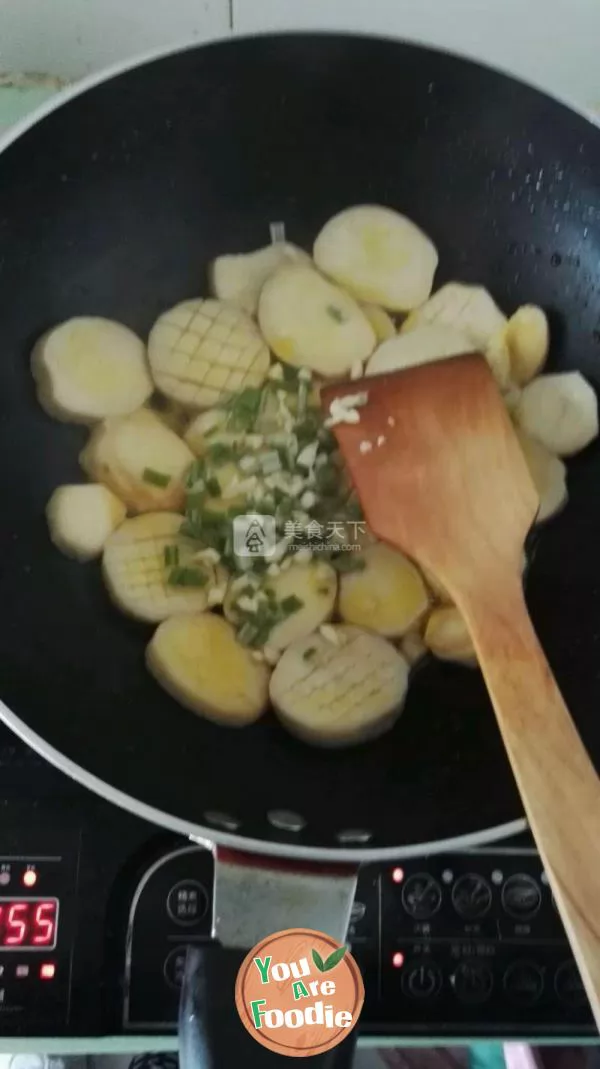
(299,993)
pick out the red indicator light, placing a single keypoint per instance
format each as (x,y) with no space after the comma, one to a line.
(398,959)
(47,971)
(29,878)
(397,875)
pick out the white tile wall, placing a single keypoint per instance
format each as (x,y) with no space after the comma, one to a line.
(69,38)
(553,43)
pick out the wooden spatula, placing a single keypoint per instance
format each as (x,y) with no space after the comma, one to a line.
(440,475)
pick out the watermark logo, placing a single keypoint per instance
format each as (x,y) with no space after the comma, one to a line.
(299,993)
(254,535)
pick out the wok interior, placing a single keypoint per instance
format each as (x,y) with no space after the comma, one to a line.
(114,205)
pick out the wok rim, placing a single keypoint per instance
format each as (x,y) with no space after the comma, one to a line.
(209,837)
(206,836)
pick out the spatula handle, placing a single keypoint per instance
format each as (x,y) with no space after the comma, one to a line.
(556,779)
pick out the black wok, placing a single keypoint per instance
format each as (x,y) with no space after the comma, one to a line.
(114,204)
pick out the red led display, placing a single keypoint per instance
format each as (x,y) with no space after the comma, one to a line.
(28,922)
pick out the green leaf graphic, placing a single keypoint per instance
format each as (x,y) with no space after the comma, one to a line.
(318,960)
(334,959)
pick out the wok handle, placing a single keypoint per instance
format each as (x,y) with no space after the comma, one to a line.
(254,897)
(558,784)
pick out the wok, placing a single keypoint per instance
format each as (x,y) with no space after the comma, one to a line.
(113,203)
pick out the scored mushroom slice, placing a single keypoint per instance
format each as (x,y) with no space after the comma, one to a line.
(89,368)
(378,255)
(469,309)
(140,459)
(152,572)
(198,660)
(560,411)
(202,351)
(339,686)
(311,323)
(472,311)
(388,595)
(296,601)
(239,277)
(447,637)
(422,346)
(81,518)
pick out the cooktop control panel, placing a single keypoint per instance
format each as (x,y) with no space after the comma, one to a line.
(98,907)
(37,896)
(455,944)
(473,938)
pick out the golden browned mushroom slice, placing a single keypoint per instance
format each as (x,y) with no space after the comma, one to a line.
(378,255)
(89,368)
(388,596)
(81,518)
(141,459)
(201,664)
(309,322)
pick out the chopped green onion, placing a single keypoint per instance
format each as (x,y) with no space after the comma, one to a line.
(220,453)
(247,634)
(195,473)
(213,486)
(302,398)
(181,576)
(195,500)
(171,556)
(291,604)
(335,313)
(347,562)
(327,479)
(157,478)
(247,591)
(244,408)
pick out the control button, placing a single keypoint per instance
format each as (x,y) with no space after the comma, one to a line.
(521,897)
(421,896)
(523,982)
(421,980)
(21,971)
(568,985)
(472,982)
(187,902)
(471,896)
(174,967)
